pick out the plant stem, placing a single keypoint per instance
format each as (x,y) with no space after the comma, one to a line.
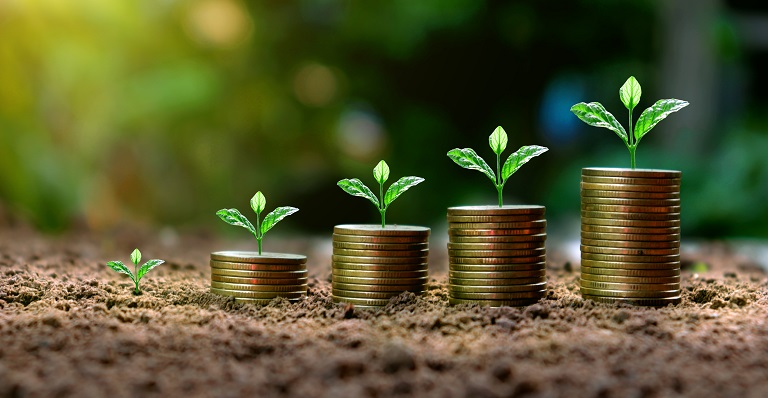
(259,236)
(632,155)
(382,209)
(499,185)
(632,142)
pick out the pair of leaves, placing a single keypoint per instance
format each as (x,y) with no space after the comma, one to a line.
(135,259)
(355,187)
(234,217)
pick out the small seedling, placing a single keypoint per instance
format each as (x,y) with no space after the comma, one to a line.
(258,203)
(469,159)
(356,187)
(137,273)
(594,114)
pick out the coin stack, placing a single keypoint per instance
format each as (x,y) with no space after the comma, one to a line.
(630,236)
(496,255)
(372,264)
(253,278)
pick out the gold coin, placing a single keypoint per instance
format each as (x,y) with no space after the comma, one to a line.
(380,260)
(630,230)
(297,287)
(361,301)
(629,259)
(630,173)
(497,253)
(629,286)
(379,288)
(379,239)
(499,239)
(381,253)
(630,202)
(366,295)
(655,302)
(494,232)
(630,279)
(629,293)
(629,251)
(379,281)
(631,272)
(254,301)
(497,289)
(629,194)
(495,246)
(495,219)
(381,246)
(380,274)
(630,180)
(377,230)
(615,215)
(498,267)
(630,188)
(630,209)
(494,303)
(515,210)
(259,274)
(608,222)
(379,267)
(631,244)
(258,267)
(255,257)
(497,260)
(496,282)
(631,237)
(627,265)
(498,296)
(498,225)
(496,274)
(258,281)
(258,295)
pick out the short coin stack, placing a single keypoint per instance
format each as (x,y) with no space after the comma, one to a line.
(372,264)
(496,255)
(253,278)
(630,236)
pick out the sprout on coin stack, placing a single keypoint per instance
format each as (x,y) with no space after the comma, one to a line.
(496,253)
(258,277)
(630,218)
(373,263)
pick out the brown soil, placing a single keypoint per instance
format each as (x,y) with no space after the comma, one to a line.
(71,327)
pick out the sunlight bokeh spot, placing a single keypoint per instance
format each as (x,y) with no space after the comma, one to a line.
(222,23)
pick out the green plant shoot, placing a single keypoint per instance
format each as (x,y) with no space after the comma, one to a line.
(469,159)
(137,273)
(356,187)
(594,114)
(258,203)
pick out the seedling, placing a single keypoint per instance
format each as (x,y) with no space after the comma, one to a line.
(356,187)
(258,202)
(137,273)
(468,159)
(594,114)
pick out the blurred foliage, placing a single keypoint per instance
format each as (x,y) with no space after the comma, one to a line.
(164,111)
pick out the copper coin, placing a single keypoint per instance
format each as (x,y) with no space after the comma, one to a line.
(495,246)
(379,288)
(257,294)
(655,302)
(381,246)
(630,173)
(629,259)
(623,251)
(497,289)
(631,244)
(632,237)
(296,287)
(496,274)
(630,209)
(630,293)
(496,282)
(379,267)
(255,257)
(498,239)
(497,260)
(378,281)
(631,272)
(258,281)
(377,230)
(381,253)
(630,230)
(494,303)
(497,267)
(259,274)
(380,260)
(630,180)
(630,188)
(497,253)
(614,215)
(629,286)
(380,239)
(629,195)
(507,210)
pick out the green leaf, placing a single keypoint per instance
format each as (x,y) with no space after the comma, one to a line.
(630,93)
(381,172)
(594,114)
(148,267)
(356,187)
(275,216)
(519,158)
(468,159)
(258,202)
(400,186)
(136,256)
(498,140)
(656,113)
(233,217)
(120,267)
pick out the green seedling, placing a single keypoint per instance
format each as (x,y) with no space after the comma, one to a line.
(594,114)
(468,159)
(356,187)
(137,273)
(258,203)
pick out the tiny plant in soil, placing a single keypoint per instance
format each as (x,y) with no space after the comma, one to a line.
(469,159)
(258,203)
(594,114)
(137,273)
(356,187)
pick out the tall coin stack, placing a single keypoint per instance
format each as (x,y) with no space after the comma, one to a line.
(372,264)
(496,255)
(253,278)
(630,236)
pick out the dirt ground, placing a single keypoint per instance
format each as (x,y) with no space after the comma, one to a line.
(71,327)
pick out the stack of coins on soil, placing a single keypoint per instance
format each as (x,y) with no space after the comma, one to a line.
(253,278)
(372,264)
(630,236)
(496,255)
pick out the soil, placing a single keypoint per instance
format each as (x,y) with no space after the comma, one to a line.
(69,326)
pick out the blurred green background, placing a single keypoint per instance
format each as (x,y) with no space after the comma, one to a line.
(161,112)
